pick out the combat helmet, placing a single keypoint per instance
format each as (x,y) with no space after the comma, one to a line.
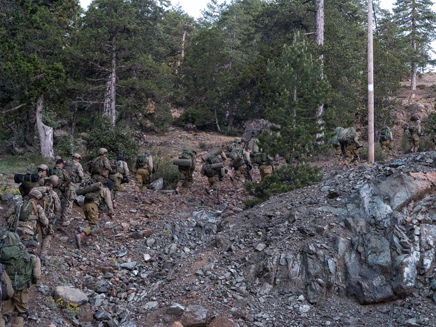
(42,167)
(54,180)
(36,194)
(102,151)
(77,156)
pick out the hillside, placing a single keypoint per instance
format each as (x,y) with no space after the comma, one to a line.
(357,249)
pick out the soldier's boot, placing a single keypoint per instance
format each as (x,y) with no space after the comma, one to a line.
(79,239)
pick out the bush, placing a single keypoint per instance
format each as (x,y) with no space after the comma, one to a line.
(163,161)
(283,179)
(116,140)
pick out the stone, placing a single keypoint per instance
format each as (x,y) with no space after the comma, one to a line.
(177,324)
(70,294)
(194,316)
(151,305)
(147,257)
(222,321)
(102,314)
(176,309)
(129,265)
(260,247)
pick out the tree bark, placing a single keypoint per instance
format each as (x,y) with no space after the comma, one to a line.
(320,42)
(30,127)
(414,63)
(110,97)
(45,132)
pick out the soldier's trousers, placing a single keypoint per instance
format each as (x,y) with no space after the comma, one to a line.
(351,155)
(387,146)
(20,303)
(185,178)
(142,178)
(91,214)
(338,154)
(243,171)
(116,178)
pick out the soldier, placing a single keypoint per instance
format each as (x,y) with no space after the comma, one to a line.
(64,190)
(386,140)
(7,292)
(100,167)
(415,132)
(75,170)
(26,269)
(339,150)
(143,170)
(213,169)
(186,172)
(53,209)
(120,174)
(30,213)
(93,200)
(26,186)
(241,163)
(352,150)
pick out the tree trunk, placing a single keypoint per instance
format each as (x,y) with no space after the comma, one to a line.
(30,127)
(110,97)
(179,62)
(320,42)
(414,63)
(217,123)
(73,126)
(45,132)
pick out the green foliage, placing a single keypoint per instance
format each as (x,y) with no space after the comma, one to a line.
(283,179)
(163,161)
(21,163)
(116,140)
(295,93)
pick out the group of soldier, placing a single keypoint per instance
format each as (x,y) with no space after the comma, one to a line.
(347,143)
(50,193)
(235,160)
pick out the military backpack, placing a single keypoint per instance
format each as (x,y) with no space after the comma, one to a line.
(17,261)
(97,166)
(3,287)
(385,134)
(259,158)
(347,135)
(92,197)
(188,154)
(26,210)
(142,160)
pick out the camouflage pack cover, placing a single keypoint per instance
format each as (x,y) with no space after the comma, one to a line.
(347,135)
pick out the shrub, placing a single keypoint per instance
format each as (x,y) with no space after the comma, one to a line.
(116,140)
(283,179)
(163,162)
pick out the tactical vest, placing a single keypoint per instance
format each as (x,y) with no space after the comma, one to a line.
(26,210)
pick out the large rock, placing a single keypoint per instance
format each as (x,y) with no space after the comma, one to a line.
(222,321)
(70,294)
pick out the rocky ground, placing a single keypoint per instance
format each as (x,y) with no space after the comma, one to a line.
(357,249)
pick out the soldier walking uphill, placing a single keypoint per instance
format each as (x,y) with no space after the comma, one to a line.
(241,161)
(352,145)
(186,167)
(339,150)
(386,140)
(75,170)
(25,269)
(260,158)
(7,292)
(100,167)
(120,174)
(415,132)
(99,195)
(63,189)
(213,169)
(144,169)
(31,213)
(53,210)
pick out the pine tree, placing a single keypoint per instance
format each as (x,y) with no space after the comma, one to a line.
(417,22)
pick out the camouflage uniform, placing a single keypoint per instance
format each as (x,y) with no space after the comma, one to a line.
(352,151)
(186,174)
(415,133)
(265,170)
(143,174)
(92,213)
(20,300)
(53,208)
(242,172)
(29,228)
(65,192)
(10,293)
(121,172)
(100,167)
